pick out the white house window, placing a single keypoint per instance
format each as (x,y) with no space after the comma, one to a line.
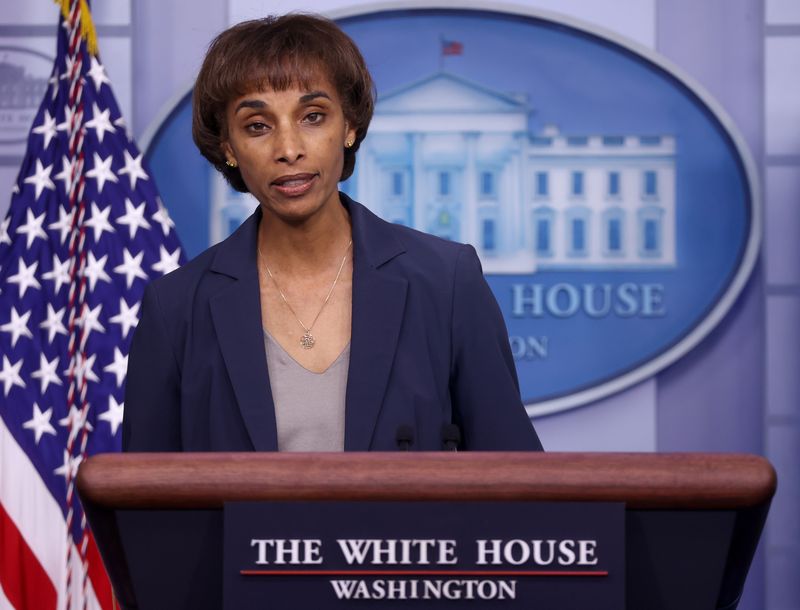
(613,228)
(577,141)
(542,184)
(650,184)
(578,232)
(613,184)
(397,184)
(577,184)
(444,184)
(489,234)
(543,232)
(487,185)
(650,232)
(613,140)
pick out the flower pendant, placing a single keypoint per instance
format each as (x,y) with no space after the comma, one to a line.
(307,340)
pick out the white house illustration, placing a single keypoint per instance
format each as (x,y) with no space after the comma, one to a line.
(455,159)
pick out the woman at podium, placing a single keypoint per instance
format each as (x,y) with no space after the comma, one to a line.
(316,326)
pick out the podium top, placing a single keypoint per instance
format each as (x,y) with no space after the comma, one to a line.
(642,480)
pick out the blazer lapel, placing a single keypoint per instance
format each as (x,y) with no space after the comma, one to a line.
(236,312)
(379,300)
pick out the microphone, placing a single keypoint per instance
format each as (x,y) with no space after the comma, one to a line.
(405,437)
(451,437)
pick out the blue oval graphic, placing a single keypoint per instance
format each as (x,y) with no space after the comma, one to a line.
(611,201)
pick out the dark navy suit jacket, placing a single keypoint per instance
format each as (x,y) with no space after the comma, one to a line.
(428,347)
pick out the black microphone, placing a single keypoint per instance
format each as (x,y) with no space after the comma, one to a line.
(451,437)
(405,437)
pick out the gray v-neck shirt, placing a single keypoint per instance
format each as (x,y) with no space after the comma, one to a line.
(309,407)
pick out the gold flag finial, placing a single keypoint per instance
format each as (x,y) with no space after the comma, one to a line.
(88,33)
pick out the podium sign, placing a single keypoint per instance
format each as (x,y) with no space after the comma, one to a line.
(424,554)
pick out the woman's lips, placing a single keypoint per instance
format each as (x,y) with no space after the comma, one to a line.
(295,185)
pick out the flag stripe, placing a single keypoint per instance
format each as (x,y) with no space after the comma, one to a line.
(98,577)
(4,603)
(35,513)
(24,581)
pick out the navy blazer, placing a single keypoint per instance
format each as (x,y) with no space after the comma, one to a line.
(428,347)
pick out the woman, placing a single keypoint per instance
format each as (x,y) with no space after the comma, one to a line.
(316,325)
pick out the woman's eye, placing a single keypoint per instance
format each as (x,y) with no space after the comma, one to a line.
(256,127)
(314,117)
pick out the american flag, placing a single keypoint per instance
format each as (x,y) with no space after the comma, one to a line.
(85,232)
(451,47)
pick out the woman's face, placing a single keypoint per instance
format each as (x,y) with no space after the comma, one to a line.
(289,146)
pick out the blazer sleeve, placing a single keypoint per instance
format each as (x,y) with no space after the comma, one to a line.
(152,387)
(483,383)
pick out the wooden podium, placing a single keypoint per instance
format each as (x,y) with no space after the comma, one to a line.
(692,521)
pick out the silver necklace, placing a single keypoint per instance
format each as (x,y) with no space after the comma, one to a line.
(307,341)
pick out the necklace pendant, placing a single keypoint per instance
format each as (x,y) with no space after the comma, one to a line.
(307,340)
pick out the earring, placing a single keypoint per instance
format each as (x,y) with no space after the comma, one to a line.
(349,143)
(231,164)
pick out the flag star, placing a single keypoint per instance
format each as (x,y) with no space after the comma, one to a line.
(81,369)
(25,277)
(53,324)
(131,267)
(99,221)
(9,375)
(46,373)
(18,326)
(97,73)
(47,128)
(69,469)
(114,414)
(133,217)
(94,270)
(168,262)
(127,318)
(133,167)
(33,226)
(41,178)
(65,175)
(69,113)
(63,224)
(119,367)
(40,423)
(162,217)
(101,122)
(59,273)
(102,171)
(4,238)
(90,320)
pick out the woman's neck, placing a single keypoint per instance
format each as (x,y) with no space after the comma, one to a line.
(304,248)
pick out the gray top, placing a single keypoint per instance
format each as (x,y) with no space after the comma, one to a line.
(309,407)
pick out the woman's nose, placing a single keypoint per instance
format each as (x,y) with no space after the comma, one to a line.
(288,145)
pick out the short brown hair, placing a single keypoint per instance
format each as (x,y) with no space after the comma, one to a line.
(278,53)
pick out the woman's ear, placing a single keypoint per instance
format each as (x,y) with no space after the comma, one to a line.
(349,135)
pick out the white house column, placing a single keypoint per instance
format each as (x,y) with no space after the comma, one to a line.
(469,214)
(418,176)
